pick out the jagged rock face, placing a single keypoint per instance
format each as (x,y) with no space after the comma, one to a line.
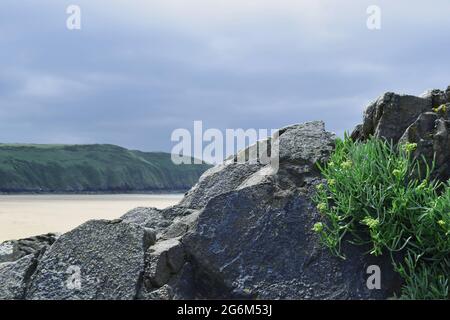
(431,132)
(423,120)
(391,114)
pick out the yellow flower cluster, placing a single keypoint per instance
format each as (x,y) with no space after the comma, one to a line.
(318,227)
(346,165)
(322,207)
(410,147)
(371,222)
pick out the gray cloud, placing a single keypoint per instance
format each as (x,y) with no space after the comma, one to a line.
(139,69)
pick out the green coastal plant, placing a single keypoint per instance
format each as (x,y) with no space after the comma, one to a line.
(377,194)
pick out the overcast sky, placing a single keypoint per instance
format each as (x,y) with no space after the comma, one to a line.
(137,70)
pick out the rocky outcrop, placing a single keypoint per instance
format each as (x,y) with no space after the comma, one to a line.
(390,115)
(243,231)
(250,234)
(423,120)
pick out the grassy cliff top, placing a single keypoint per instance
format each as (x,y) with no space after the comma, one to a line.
(90,168)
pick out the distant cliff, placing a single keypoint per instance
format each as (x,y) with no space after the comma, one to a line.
(91,168)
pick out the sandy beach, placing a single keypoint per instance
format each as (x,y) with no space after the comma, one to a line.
(22,216)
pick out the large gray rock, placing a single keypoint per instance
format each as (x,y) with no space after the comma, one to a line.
(98,260)
(253,238)
(390,115)
(299,145)
(306,144)
(423,120)
(254,243)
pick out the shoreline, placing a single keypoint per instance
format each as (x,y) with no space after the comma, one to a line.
(25,215)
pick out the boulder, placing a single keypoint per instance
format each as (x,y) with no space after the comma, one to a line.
(300,145)
(390,115)
(251,236)
(307,144)
(256,241)
(98,260)
(253,243)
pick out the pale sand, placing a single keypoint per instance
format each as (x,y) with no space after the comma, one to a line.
(23,216)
